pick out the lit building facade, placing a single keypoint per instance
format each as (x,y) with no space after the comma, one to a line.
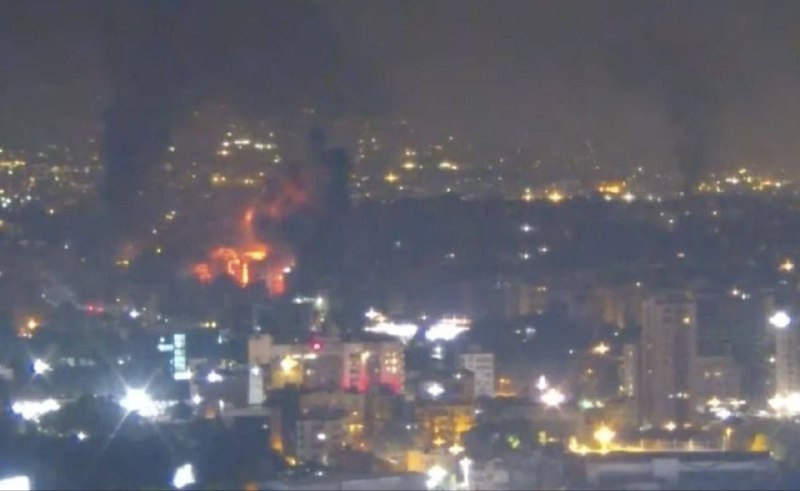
(787,360)
(668,357)
(482,367)
(717,377)
(443,424)
(325,364)
(319,437)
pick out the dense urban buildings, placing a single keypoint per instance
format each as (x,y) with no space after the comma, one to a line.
(312,245)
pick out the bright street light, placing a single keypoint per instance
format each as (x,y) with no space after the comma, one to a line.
(553,398)
(604,436)
(780,319)
(16,483)
(542,384)
(435,390)
(40,367)
(436,475)
(214,377)
(33,410)
(137,401)
(184,476)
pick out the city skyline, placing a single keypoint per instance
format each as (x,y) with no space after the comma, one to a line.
(432,245)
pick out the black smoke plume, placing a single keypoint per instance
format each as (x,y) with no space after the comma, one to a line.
(165,58)
(662,56)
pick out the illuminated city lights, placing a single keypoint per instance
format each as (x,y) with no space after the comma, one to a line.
(555,196)
(15,483)
(541,383)
(447,329)
(786,404)
(33,410)
(184,476)
(466,465)
(403,331)
(436,476)
(214,377)
(552,398)
(604,436)
(456,449)
(138,401)
(435,390)
(780,319)
(288,364)
(601,349)
(40,367)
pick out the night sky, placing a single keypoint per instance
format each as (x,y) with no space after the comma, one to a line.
(682,85)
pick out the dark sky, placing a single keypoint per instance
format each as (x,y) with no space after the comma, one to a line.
(683,84)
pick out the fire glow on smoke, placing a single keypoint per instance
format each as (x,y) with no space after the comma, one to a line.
(249,260)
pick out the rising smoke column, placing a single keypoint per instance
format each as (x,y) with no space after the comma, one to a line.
(144,85)
(165,58)
(317,234)
(663,55)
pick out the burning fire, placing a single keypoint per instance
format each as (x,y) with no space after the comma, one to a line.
(250,260)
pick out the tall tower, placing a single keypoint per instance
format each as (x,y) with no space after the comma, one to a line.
(668,356)
(787,347)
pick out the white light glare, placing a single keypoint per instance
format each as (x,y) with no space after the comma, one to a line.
(447,329)
(786,404)
(552,398)
(33,410)
(780,319)
(405,331)
(542,384)
(465,464)
(184,476)
(436,475)
(214,378)
(40,367)
(723,413)
(16,483)
(435,390)
(374,315)
(137,401)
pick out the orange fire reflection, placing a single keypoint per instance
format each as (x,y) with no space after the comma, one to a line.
(250,261)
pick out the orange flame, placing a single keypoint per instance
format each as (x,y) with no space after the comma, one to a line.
(249,262)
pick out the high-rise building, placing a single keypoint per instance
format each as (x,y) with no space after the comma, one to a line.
(667,359)
(628,370)
(780,312)
(482,367)
(787,359)
(319,436)
(717,377)
(734,323)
